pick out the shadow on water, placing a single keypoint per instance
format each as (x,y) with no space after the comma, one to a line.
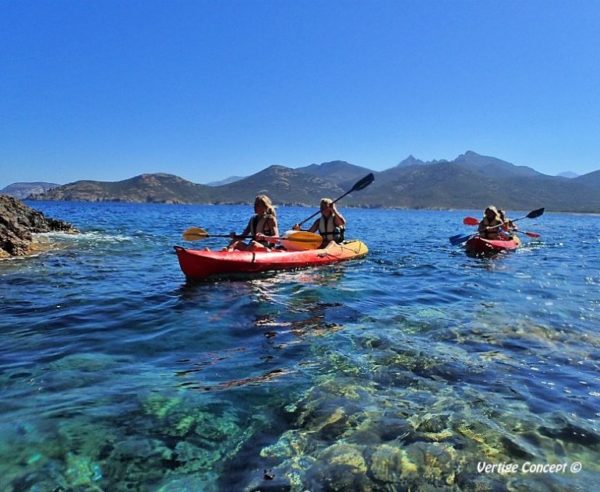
(257,330)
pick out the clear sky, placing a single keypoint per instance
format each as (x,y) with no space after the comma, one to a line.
(108,89)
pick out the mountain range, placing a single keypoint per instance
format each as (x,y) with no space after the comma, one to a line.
(469,181)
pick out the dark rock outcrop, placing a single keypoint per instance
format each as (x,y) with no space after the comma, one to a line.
(18,223)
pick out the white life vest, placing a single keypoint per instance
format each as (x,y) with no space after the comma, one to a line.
(327,228)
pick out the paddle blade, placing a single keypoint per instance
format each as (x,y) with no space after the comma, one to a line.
(301,240)
(194,234)
(459,239)
(363,183)
(535,213)
(471,221)
(532,234)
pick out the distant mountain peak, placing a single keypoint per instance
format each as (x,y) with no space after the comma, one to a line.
(22,190)
(411,160)
(276,167)
(341,173)
(221,182)
(492,165)
(471,156)
(335,164)
(158,176)
(327,166)
(568,174)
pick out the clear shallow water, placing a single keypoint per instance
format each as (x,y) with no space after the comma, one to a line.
(402,370)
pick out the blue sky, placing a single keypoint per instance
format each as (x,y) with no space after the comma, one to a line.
(207,89)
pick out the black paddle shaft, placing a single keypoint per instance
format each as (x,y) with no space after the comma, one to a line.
(534,214)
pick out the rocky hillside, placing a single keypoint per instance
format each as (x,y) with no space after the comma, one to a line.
(341,173)
(146,188)
(17,224)
(283,184)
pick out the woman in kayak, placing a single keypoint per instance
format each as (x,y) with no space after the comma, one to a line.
(489,227)
(331,225)
(508,226)
(262,225)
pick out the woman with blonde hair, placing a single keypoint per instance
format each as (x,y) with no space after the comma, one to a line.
(262,224)
(508,226)
(489,227)
(331,225)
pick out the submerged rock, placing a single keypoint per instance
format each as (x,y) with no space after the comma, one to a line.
(82,471)
(340,467)
(17,224)
(386,463)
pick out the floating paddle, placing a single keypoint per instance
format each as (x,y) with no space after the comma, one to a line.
(306,240)
(472,221)
(359,185)
(459,239)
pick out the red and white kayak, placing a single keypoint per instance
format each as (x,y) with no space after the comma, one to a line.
(480,246)
(198,264)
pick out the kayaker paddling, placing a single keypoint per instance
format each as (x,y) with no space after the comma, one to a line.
(261,226)
(331,225)
(508,225)
(503,222)
(489,227)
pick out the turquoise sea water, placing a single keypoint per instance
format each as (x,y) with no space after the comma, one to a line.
(402,371)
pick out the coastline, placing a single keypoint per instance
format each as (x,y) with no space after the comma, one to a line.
(305,205)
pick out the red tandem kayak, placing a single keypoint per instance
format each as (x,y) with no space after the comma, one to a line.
(478,245)
(198,264)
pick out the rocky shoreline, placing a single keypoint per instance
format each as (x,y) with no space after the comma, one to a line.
(18,226)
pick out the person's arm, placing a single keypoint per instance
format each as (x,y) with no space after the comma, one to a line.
(338,219)
(482,227)
(315,226)
(274,227)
